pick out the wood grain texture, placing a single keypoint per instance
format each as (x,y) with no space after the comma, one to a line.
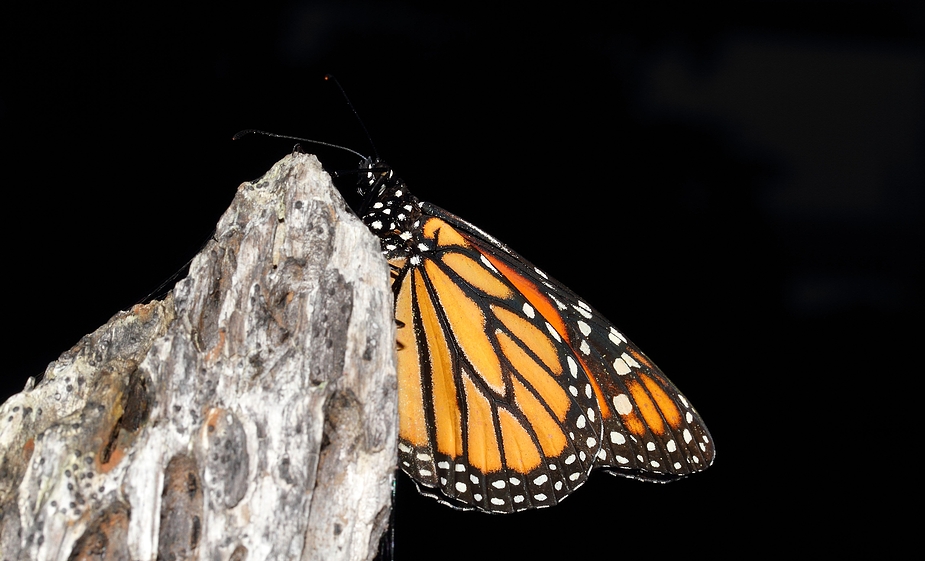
(250,414)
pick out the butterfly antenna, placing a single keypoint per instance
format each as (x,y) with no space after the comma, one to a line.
(369,137)
(246,132)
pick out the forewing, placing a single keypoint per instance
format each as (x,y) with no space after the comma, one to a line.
(496,411)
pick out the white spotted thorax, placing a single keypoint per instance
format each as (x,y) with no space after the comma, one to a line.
(512,388)
(392,212)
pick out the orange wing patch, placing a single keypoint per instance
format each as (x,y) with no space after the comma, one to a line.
(467,321)
(520,453)
(447,419)
(412,426)
(484,454)
(665,404)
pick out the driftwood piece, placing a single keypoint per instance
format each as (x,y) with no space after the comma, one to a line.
(251,414)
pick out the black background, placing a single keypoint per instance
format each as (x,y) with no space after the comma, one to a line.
(740,189)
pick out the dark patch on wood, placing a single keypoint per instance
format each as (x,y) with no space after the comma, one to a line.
(136,402)
(181,510)
(11,526)
(206,331)
(227,460)
(320,234)
(195,533)
(284,465)
(329,322)
(341,419)
(106,539)
(239,554)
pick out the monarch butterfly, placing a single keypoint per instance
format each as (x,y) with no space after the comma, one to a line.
(511,388)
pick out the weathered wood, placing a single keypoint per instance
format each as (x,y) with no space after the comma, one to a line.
(251,414)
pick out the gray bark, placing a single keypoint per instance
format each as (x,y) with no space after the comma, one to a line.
(251,414)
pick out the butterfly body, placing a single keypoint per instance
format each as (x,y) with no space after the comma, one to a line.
(511,388)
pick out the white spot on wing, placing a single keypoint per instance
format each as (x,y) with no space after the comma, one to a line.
(629,360)
(553,332)
(584,328)
(616,337)
(620,366)
(583,311)
(622,404)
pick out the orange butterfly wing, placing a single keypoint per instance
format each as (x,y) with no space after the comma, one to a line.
(511,388)
(494,411)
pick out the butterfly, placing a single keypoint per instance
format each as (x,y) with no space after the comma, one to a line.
(511,388)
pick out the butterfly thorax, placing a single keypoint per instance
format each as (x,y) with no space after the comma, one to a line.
(390,211)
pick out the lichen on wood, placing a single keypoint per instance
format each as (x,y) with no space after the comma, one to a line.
(250,414)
